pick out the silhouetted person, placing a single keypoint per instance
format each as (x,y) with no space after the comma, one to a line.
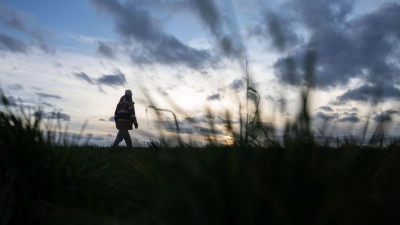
(124,117)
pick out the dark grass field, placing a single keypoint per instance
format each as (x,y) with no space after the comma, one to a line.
(299,181)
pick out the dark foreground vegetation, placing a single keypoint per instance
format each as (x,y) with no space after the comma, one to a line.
(299,181)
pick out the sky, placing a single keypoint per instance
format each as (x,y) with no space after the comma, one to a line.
(194,58)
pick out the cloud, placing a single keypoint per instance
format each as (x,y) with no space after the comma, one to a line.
(75,136)
(392,111)
(223,27)
(383,117)
(367,93)
(187,128)
(284,101)
(47,104)
(24,103)
(345,48)
(105,49)
(214,97)
(162,91)
(58,115)
(92,137)
(350,114)
(237,84)
(54,115)
(20,100)
(195,124)
(336,102)
(11,44)
(111,119)
(197,119)
(103,120)
(136,25)
(351,119)
(326,108)
(209,130)
(10,101)
(84,76)
(44,95)
(15,87)
(323,116)
(57,64)
(207,119)
(270,98)
(179,76)
(170,126)
(22,22)
(208,11)
(277,30)
(114,80)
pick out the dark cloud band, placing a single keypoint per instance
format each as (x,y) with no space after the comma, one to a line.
(11,44)
(45,95)
(17,20)
(105,49)
(117,79)
(351,119)
(368,93)
(146,41)
(84,76)
(383,117)
(54,115)
(214,97)
(114,80)
(345,48)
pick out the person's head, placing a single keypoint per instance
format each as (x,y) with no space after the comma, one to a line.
(128,92)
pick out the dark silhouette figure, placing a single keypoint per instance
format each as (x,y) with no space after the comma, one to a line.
(124,117)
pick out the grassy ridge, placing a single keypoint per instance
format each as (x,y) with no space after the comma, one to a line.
(298,182)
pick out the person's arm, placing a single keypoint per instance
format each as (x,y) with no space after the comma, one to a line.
(131,111)
(115,115)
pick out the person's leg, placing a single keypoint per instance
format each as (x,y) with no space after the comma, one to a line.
(128,140)
(120,136)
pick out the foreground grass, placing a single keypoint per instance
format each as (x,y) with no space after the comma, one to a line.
(43,183)
(302,181)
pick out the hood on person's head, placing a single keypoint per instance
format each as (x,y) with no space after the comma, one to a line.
(128,92)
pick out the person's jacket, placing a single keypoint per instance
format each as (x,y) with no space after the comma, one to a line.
(124,114)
